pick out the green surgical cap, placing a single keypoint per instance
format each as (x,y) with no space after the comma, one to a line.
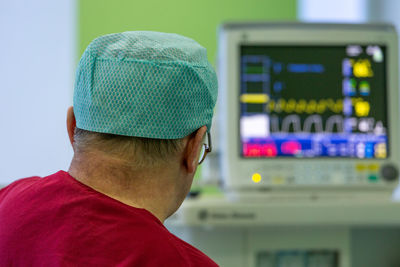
(144,84)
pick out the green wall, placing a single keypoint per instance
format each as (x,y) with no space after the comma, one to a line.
(197,19)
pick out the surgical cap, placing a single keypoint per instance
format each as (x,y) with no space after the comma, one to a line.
(144,84)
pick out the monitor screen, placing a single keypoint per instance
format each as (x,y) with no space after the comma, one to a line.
(313,101)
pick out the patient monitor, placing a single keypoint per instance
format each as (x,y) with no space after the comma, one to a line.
(309,108)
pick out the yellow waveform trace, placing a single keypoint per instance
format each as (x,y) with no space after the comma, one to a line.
(303,106)
(281,105)
(290,106)
(254,98)
(335,106)
(311,107)
(271,106)
(338,107)
(321,106)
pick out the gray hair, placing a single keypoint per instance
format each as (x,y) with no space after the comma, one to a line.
(139,150)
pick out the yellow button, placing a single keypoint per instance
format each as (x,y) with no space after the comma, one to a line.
(361,167)
(373,167)
(278,180)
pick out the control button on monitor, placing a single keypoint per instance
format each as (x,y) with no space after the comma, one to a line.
(389,172)
(291,180)
(373,178)
(278,180)
(360,178)
(373,167)
(351,179)
(361,167)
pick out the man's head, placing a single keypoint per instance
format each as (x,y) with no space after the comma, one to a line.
(146,98)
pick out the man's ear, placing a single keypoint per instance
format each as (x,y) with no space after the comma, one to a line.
(193,148)
(71,124)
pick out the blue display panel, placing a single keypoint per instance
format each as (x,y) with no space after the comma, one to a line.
(313,101)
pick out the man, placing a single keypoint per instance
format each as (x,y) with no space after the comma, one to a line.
(143,104)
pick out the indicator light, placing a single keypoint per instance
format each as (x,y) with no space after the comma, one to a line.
(256,177)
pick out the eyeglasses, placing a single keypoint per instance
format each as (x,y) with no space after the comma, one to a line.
(205,149)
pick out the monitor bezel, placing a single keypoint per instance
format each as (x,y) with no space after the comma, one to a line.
(237,171)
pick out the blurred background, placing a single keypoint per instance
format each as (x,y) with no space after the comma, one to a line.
(41,42)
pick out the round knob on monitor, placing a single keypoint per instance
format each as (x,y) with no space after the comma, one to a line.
(389,172)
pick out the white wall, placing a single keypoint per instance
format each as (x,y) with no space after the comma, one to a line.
(37,61)
(384,11)
(340,11)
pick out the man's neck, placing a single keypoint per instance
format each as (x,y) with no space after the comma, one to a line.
(152,188)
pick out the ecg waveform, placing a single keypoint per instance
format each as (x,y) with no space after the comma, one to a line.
(305,106)
(310,106)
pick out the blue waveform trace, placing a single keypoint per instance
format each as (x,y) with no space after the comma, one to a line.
(255,77)
(305,68)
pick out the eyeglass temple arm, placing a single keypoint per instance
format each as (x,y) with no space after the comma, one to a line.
(209,142)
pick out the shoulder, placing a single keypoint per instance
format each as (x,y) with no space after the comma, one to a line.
(19,185)
(28,186)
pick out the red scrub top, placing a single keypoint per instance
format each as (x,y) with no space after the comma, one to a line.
(58,221)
